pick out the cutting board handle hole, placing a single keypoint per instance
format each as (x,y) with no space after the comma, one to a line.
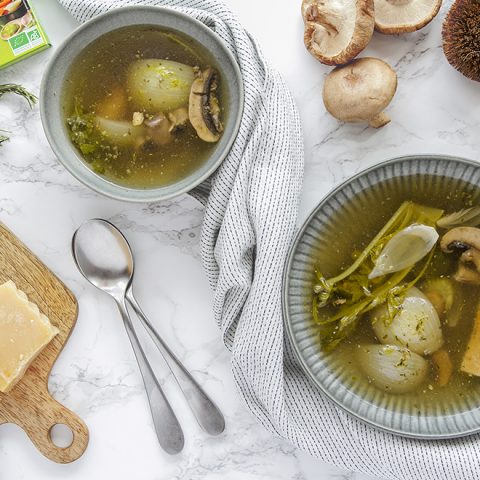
(61,435)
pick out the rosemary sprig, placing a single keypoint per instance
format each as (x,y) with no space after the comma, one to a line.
(18,90)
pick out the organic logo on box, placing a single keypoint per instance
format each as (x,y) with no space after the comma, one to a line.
(19,41)
(33,35)
(25,41)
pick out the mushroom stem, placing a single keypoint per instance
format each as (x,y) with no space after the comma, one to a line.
(466,275)
(379,120)
(337,31)
(330,20)
(471,256)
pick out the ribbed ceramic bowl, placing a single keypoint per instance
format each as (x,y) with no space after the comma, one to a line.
(51,104)
(356,202)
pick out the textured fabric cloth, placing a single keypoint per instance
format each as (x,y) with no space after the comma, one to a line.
(249,223)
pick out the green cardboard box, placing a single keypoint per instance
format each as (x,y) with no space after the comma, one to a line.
(21,34)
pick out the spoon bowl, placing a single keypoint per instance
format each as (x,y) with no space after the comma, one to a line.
(103,256)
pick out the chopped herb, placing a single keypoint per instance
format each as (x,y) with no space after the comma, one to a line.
(91,143)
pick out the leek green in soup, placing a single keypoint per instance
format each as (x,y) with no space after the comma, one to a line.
(143,106)
(402,312)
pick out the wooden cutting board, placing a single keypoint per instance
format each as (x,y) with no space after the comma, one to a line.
(30,404)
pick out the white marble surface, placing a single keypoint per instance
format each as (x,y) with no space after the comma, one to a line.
(435,110)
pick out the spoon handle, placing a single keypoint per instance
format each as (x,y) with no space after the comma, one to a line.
(206,412)
(169,431)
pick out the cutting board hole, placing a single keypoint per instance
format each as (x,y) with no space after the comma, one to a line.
(61,435)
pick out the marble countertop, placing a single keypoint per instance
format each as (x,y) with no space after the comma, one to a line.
(435,110)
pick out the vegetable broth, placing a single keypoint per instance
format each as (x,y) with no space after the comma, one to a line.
(361,225)
(101,69)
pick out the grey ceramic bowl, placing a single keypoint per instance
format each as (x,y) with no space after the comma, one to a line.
(407,178)
(55,74)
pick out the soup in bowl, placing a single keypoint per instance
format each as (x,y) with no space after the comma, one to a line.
(382,296)
(139,109)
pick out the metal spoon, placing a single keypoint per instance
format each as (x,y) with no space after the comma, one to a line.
(104,260)
(206,412)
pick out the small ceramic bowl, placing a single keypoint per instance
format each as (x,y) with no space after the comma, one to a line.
(423,179)
(58,68)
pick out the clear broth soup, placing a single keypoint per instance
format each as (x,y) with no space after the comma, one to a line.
(456,322)
(105,98)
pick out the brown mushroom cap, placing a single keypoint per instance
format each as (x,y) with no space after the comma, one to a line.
(461,38)
(359,91)
(337,31)
(461,239)
(401,16)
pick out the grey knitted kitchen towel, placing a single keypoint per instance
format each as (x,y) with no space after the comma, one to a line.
(249,223)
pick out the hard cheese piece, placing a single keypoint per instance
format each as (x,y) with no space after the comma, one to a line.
(471,359)
(24,333)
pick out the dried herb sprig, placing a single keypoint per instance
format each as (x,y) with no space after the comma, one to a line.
(18,90)
(3,138)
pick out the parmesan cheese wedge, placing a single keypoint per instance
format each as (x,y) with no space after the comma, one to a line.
(24,333)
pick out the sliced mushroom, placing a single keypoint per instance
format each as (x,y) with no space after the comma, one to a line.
(336,31)
(204,109)
(464,240)
(460,239)
(401,16)
(360,91)
(178,119)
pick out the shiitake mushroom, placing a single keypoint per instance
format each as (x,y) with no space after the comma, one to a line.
(360,91)
(461,38)
(336,32)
